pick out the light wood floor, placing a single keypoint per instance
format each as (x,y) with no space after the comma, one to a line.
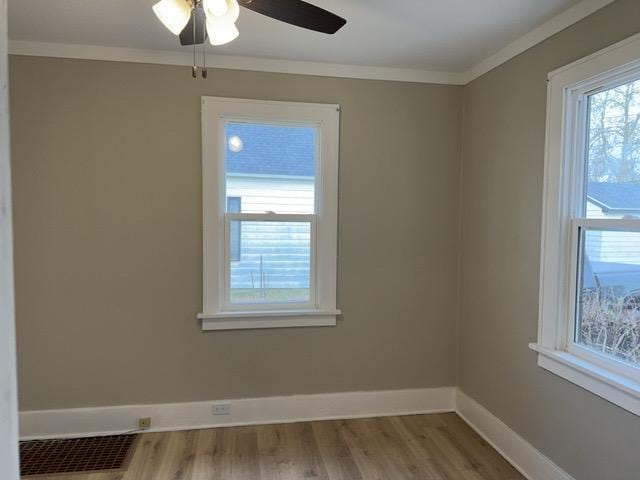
(429,447)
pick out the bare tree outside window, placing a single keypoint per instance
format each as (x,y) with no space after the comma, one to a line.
(614,135)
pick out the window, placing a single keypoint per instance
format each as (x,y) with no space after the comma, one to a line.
(270,214)
(590,268)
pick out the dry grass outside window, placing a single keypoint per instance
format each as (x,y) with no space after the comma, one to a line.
(611,324)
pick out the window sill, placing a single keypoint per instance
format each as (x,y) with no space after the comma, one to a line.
(268,319)
(617,389)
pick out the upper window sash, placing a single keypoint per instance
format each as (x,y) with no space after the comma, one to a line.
(278,120)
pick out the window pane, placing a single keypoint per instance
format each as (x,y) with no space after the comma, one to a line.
(613,153)
(275,263)
(271,167)
(609,293)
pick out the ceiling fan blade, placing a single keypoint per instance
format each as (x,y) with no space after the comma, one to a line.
(198,19)
(297,12)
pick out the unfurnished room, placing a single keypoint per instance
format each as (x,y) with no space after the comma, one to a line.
(320,240)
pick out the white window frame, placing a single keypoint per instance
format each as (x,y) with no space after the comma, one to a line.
(321,309)
(563,219)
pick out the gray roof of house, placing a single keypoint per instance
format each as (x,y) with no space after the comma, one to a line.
(613,197)
(272,150)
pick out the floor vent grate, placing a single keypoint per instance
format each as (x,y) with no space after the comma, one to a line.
(46,457)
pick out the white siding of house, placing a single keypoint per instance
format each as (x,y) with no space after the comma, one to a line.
(594,211)
(613,247)
(273,255)
(277,194)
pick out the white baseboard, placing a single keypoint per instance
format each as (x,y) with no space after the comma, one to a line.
(252,411)
(529,461)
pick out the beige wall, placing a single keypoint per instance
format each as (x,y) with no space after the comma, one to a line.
(107,181)
(501,215)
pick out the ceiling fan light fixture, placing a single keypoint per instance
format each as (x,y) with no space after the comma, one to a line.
(215,8)
(195,20)
(174,14)
(221,33)
(230,15)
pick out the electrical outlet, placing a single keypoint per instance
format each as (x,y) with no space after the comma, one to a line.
(144,423)
(222,409)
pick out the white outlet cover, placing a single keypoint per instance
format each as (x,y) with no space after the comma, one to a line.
(222,409)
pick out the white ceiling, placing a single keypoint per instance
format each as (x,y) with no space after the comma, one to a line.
(435,35)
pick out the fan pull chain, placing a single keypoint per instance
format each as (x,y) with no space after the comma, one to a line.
(194,72)
(205,74)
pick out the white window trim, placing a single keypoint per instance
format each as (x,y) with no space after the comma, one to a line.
(321,310)
(563,184)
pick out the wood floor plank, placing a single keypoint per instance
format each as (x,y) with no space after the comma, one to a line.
(413,433)
(307,458)
(147,458)
(450,451)
(363,450)
(275,457)
(244,453)
(204,464)
(221,455)
(490,463)
(418,447)
(399,456)
(375,448)
(177,461)
(337,457)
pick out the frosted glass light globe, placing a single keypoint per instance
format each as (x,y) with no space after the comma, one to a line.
(221,33)
(174,14)
(217,8)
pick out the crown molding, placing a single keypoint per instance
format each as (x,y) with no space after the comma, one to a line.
(537,35)
(118,54)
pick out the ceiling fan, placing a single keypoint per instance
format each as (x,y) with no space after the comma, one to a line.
(196,20)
